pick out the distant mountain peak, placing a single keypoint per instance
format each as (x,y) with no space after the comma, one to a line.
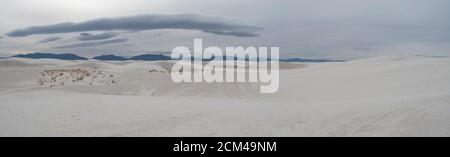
(151,57)
(110,58)
(39,55)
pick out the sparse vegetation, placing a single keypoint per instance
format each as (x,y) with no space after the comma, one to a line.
(55,78)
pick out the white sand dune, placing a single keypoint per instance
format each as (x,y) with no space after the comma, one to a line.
(384,96)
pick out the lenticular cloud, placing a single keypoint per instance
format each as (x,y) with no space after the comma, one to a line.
(208,24)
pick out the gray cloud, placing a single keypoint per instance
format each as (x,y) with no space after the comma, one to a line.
(238,34)
(209,24)
(94,43)
(49,40)
(362,49)
(101,36)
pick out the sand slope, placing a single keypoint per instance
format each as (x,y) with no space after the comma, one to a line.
(384,96)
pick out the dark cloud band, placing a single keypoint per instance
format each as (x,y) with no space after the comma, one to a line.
(101,36)
(209,24)
(49,40)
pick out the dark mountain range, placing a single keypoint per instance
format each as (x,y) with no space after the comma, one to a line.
(110,58)
(151,57)
(66,56)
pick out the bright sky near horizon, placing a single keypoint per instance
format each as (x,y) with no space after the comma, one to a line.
(343,29)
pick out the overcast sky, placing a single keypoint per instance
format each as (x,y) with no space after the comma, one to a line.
(340,29)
